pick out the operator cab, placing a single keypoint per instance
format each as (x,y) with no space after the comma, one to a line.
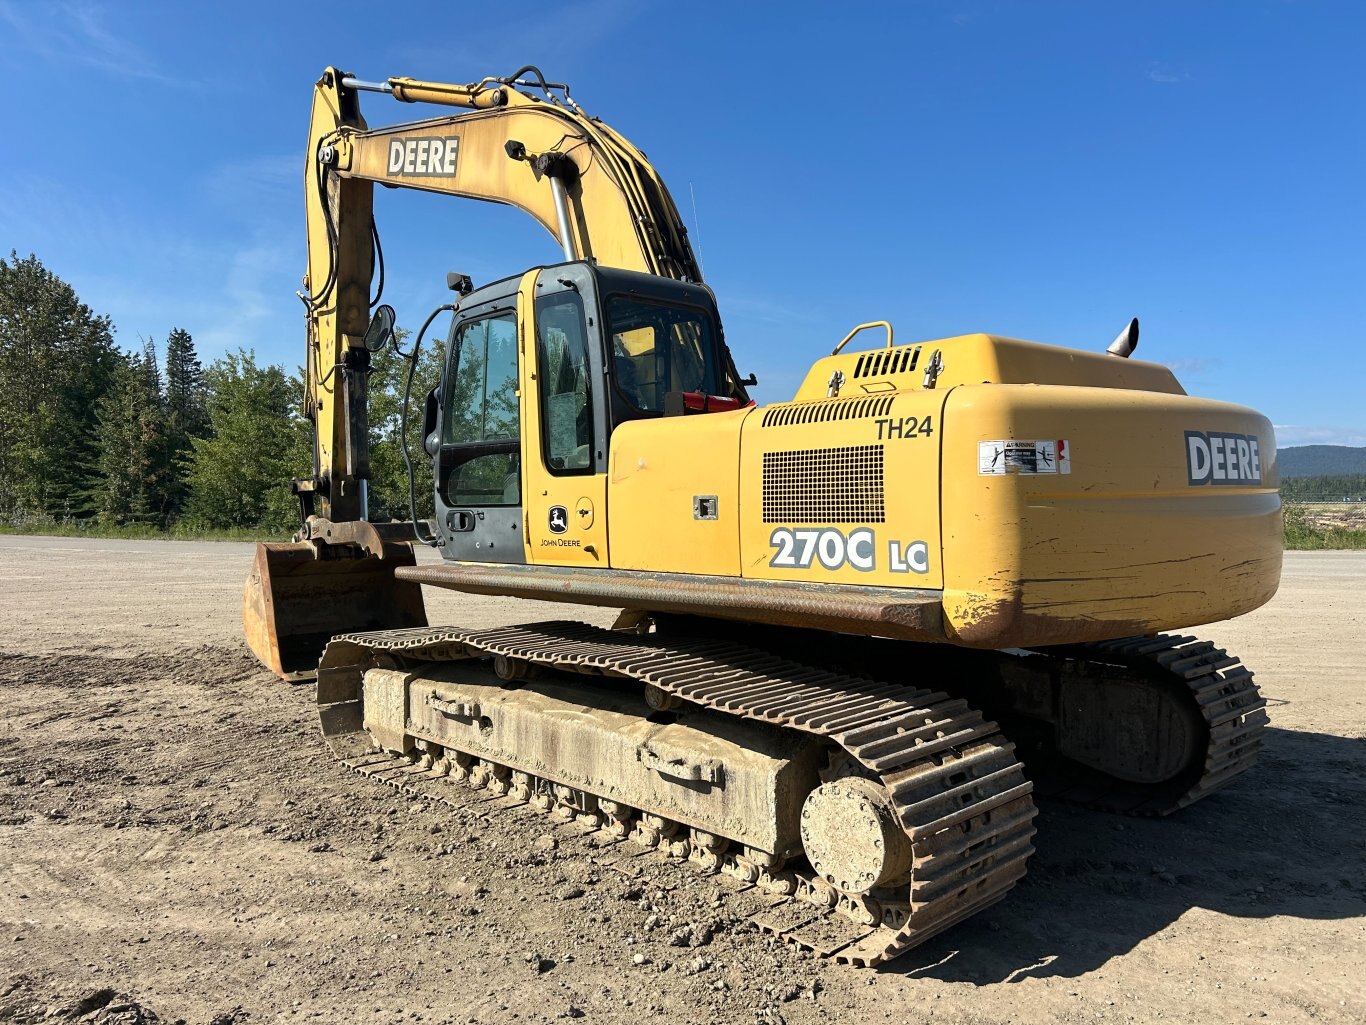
(600,347)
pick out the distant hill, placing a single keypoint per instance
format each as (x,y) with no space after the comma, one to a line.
(1321,460)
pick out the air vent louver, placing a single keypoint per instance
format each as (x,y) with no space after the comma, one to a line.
(823,410)
(886,362)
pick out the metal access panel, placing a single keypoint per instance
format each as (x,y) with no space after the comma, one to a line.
(843,490)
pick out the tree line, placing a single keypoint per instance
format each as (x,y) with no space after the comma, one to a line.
(92,434)
(1350,487)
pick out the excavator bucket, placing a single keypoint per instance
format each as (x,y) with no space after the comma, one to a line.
(299,595)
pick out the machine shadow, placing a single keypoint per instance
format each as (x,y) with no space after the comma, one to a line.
(1284,840)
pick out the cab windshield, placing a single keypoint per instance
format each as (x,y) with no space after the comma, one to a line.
(657,348)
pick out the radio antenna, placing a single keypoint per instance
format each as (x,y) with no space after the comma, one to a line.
(696,229)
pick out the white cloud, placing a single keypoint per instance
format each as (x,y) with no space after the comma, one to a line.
(1288,435)
(1194,367)
(74,32)
(761,310)
(1165,74)
(229,288)
(247,311)
(258,182)
(554,34)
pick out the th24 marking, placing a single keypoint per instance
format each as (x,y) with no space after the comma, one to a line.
(904,427)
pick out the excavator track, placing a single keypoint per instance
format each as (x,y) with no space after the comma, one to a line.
(1223,691)
(957,789)
(1212,686)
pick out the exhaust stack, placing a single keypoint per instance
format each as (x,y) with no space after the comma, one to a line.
(1126,341)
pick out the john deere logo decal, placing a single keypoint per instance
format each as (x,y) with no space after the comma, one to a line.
(1217,458)
(559,519)
(423,157)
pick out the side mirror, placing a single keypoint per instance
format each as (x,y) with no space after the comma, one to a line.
(381,329)
(431,438)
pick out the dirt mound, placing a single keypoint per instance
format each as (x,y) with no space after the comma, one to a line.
(23,1001)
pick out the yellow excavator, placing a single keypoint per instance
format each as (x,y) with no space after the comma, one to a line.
(828,604)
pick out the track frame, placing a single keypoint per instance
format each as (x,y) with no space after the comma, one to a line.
(958,791)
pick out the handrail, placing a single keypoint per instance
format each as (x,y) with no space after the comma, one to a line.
(865,327)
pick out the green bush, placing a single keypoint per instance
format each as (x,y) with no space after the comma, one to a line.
(184,530)
(1303,534)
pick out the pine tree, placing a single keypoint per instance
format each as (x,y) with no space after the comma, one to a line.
(185,395)
(132,447)
(56,359)
(186,415)
(238,475)
(150,371)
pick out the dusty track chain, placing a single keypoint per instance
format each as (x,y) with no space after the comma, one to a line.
(421,778)
(1221,688)
(959,792)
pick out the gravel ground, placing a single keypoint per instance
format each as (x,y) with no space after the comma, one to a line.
(175,844)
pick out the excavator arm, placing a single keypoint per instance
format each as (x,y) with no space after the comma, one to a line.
(511,147)
(518,141)
(585,184)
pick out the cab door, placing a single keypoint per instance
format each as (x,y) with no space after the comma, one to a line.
(479,462)
(564,418)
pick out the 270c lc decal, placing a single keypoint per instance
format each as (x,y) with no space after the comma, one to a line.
(798,549)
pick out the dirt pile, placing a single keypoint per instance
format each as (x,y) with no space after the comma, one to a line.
(22,1001)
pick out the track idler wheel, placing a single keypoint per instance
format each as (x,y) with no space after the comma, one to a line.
(852,838)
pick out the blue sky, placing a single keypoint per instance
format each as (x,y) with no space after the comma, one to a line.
(1041,170)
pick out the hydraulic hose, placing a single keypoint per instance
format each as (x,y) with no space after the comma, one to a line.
(379,257)
(435,540)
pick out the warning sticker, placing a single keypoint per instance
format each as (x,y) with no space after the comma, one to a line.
(998,458)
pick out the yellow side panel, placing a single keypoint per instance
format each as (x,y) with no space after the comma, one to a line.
(674,494)
(565,514)
(843,491)
(1123,542)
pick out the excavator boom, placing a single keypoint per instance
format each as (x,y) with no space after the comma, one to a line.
(583,182)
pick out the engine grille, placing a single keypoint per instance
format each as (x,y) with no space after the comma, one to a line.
(823,410)
(824,485)
(884,362)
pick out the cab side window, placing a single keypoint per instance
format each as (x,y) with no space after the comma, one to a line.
(565,388)
(481,427)
(657,349)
